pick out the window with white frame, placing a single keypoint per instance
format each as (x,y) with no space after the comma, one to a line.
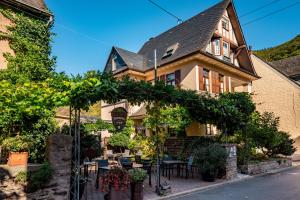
(209,129)
(206,80)
(226,49)
(217,47)
(170,79)
(225,27)
(208,48)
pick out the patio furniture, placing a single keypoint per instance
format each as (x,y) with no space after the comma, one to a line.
(169,164)
(102,164)
(188,167)
(166,158)
(126,163)
(138,159)
(147,165)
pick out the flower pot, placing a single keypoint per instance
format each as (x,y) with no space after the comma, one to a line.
(17,158)
(206,176)
(137,191)
(114,194)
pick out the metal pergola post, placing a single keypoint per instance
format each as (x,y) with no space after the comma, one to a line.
(75,133)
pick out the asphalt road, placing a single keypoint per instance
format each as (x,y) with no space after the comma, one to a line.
(277,186)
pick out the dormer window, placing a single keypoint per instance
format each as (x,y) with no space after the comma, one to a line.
(114,63)
(217,47)
(225,27)
(226,49)
(170,51)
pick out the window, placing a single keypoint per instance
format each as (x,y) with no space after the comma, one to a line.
(206,79)
(221,80)
(225,27)
(113,63)
(170,51)
(208,48)
(226,49)
(209,129)
(170,79)
(217,47)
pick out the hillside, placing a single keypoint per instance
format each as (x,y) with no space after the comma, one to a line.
(285,50)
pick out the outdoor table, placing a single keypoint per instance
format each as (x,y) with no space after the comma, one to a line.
(169,163)
(136,165)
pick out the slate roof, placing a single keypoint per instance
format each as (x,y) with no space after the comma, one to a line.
(133,60)
(33,6)
(38,4)
(288,66)
(192,35)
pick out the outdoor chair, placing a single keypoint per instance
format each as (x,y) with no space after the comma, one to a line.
(163,166)
(126,163)
(188,167)
(138,159)
(147,165)
(101,163)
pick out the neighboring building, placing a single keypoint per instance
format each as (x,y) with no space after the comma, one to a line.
(278,91)
(32,8)
(206,53)
(289,67)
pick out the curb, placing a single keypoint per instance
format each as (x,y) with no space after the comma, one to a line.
(187,192)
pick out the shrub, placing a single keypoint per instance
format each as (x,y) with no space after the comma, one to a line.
(119,140)
(210,159)
(22,177)
(41,177)
(16,144)
(138,175)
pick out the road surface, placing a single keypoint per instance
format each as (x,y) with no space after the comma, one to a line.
(277,186)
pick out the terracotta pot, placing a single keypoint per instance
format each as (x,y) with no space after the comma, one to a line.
(137,191)
(17,158)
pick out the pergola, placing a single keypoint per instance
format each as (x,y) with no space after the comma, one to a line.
(228,112)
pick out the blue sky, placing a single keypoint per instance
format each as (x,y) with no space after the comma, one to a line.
(86,30)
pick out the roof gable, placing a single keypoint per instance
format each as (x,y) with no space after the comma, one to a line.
(191,35)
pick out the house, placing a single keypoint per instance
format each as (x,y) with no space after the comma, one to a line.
(206,53)
(32,8)
(278,91)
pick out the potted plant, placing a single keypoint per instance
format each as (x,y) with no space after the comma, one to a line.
(137,187)
(18,148)
(116,183)
(210,159)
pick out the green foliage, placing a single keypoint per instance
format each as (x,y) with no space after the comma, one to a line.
(285,50)
(144,143)
(22,177)
(137,175)
(210,159)
(41,177)
(119,140)
(100,125)
(30,40)
(16,144)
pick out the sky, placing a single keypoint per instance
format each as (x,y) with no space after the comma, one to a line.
(86,30)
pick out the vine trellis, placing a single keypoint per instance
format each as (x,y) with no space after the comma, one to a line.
(229,111)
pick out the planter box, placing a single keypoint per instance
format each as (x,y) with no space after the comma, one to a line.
(17,158)
(265,166)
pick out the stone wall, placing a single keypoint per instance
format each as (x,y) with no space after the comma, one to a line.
(265,166)
(231,161)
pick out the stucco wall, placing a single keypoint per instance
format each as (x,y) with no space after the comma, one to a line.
(276,93)
(4,45)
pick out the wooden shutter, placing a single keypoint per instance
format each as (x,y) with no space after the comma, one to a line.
(162,78)
(227,84)
(177,77)
(215,82)
(201,83)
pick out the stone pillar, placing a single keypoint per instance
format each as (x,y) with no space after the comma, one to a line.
(231,162)
(59,155)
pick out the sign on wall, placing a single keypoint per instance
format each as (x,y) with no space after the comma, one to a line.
(119,116)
